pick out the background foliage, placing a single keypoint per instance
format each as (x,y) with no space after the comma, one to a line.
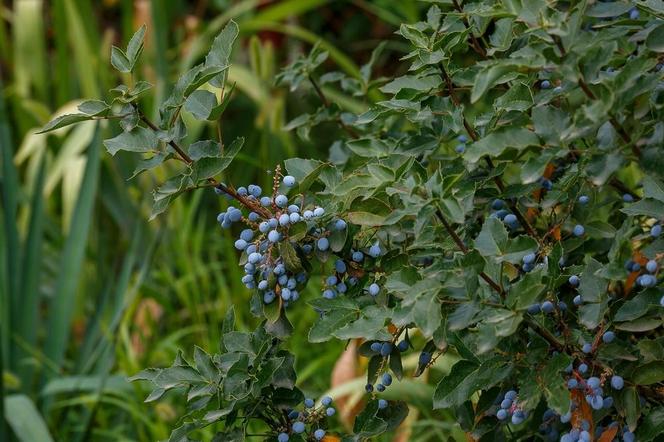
(547,99)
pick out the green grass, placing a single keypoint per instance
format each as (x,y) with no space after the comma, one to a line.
(79,261)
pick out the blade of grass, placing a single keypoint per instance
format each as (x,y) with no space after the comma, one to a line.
(28,323)
(83,55)
(29,51)
(10,190)
(63,303)
(25,420)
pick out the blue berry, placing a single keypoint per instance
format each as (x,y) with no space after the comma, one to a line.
(319,434)
(572,383)
(308,402)
(534,309)
(323,244)
(380,388)
(284,219)
(578,230)
(340,224)
(382,404)
(656,230)
(425,358)
(329,294)
(511,395)
(272,222)
(283,437)
(368,388)
(460,148)
(634,14)
(617,382)
(253,217)
(501,414)
(330,411)
(506,404)
(564,418)
(529,258)
(289,181)
(375,346)
(240,244)
(374,250)
(268,297)
(403,345)
(341,287)
(340,266)
(562,306)
(387,379)
(546,184)
(308,214)
(548,307)
(234,215)
(331,280)
(497,204)
(646,280)
(595,401)
(386,349)
(518,417)
(608,402)
(583,368)
(298,427)
(374,289)
(574,281)
(510,219)
(545,84)
(462,139)
(242,191)
(628,198)
(281,200)
(628,436)
(254,258)
(651,266)
(262,285)
(358,256)
(326,401)
(578,300)
(583,199)
(266,201)
(593,382)
(294,217)
(587,348)
(608,337)
(584,436)
(319,211)
(286,294)
(274,236)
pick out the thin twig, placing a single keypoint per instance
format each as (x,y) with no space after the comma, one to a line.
(326,103)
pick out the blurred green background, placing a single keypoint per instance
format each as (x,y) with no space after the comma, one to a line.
(91,292)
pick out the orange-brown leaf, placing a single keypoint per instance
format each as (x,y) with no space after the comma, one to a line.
(582,411)
(608,435)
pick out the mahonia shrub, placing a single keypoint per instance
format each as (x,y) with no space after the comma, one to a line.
(502,201)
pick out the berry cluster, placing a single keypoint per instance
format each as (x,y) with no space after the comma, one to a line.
(311,416)
(509,408)
(346,271)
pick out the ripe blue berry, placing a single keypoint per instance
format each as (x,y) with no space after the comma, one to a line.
(511,221)
(262,285)
(326,401)
(340,266)
(497,204)
(386,349)
(242,191)
(240,244)
(511,395)
(268,297)
(375,346)
(374,289)
(425,358)
(308,402)
(577,300)
(341,287)
(518,417)
(628,436)
(308,214)
(608,337)
(593,382)
(329,294)
(319,211)
(564,418)
(460,148)
(628,198)
(506,404)
(340,224)
(323,244)
(574,281)
(583,199)
(656,230)
(548,307)
(387,379)
(374,250)
(358,256)
(534,309)
(331,280)
(545,84)
(289,181)
(583,368)
(595,400)
(403,345)
(634,14)
(319,434)
(330,411)
(234,215)
(651,266)
(380,387)
(646,281)
(529,258)
(274,236)
(281,200)
(298,427)
(462,138)
(294,217)
(382,404)
(254,258)
(617,382)
(501,414)
(587,348)
(283,437)
(578,230)
(572,383)
(368,388)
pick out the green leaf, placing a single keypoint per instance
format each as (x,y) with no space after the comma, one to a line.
(139,139)
(135,46)
(653,188)
(517,98)
(64,120)
(655,39)
(25,420)
(466,378)
(491,76)
(649,373)
(497,142)
(119,60)
(593,290)
(94,108)
(201,104)
(554,384)
(220,52)
(207,167)
(494,242)
(647,206)
(412,82)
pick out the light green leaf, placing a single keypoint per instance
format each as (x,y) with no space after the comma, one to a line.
(497,142)
(139,139)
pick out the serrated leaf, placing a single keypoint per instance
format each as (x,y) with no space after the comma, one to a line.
(64,120)
(497,142)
